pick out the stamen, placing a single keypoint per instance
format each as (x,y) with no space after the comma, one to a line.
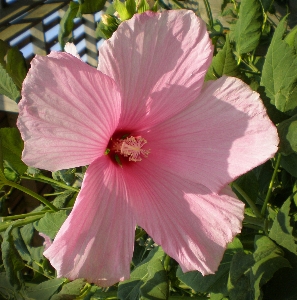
(132,147)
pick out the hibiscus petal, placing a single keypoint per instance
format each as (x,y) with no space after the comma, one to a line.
(192,224)
(68,112)
(159,61)
(223,134)
(97,239)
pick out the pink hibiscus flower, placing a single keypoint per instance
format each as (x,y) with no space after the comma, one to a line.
(161,146)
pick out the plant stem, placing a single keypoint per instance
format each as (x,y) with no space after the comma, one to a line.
(22,216)
(268,195)
(209,14)
(140,234)
(247,199)
(33,194)
(254,221)
(49,277)
(21,222)
(45,179)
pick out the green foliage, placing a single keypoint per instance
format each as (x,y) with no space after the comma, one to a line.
(16,66)
(76,10)
(148,280)
(281,230)
(142,6)
(70,291)
(107,26)
(13,70)
(287,131)
(126,9)
(216,283)
(248,27)
(51,223)
(223,63)
(90,7)
(12,260)
(67,23)
(11,147)
(279,73)
(46,289)
(7,86)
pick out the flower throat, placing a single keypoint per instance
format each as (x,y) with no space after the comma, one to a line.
(126,148)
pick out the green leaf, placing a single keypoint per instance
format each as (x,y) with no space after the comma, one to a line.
(7,86)
(269,258)
(7,291)
(266,4)
(71,290)
(216,283)
(62,200)
(65,176)
(67,24)
(4,46)
(281,230)
(223,63)
(51,223)
(126,10)
(147,281)
(46,289)
(142,6)
(107,26)
(16,66)
(249,184)
(287,131)
(279,75)
(289,163)
(156,284)
(238,282)
(275,115)
(11,147)
(12,260)
(27,232)
(20,245)
(90,7)
(10,172)
(290,39)
(248,27)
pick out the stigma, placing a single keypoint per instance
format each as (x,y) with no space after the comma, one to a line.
(131,147)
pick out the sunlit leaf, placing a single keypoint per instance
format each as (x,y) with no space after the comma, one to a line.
(287,131)
(281,230)
(67,23)
(16,66)
(90,7)
(279,75)
(7,86)
(51,223)
(46,289)
(223,63)
(70,290)
(248,27)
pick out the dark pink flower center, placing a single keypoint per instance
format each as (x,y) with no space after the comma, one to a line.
(126,148)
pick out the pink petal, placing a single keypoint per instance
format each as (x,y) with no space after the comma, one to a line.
(47,240)
(223,134)
(192,224)
(68,112)
(97,239)
(159,61)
